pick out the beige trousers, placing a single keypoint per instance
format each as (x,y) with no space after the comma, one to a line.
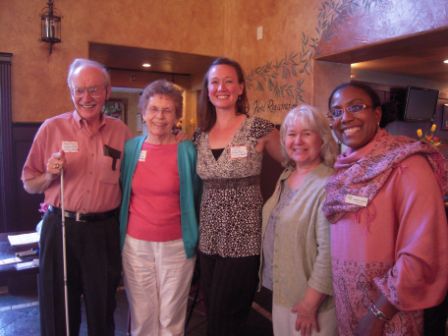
(157,278)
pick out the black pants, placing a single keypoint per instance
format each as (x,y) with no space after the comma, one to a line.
(93,271)
(228,286)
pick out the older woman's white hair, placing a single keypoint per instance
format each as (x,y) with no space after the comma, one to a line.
(316,121)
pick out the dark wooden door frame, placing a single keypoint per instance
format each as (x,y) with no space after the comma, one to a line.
(6,158)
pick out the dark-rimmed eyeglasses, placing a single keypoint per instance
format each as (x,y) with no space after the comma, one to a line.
(336,112)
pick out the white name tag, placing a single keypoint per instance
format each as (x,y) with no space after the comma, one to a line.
(237,152)
(142,157)
(70,146)
(356,200)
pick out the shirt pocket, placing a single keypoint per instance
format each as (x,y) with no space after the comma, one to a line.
(107,174)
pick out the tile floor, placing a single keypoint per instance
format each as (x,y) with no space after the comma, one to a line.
(19,315)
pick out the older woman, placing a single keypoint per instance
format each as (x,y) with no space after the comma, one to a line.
(158,216)
(230,150)
(296,243)
(389,234)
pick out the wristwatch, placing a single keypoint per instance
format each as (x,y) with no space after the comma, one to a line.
(378,313)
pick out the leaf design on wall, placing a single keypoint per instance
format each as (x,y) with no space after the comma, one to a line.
(333,13)
(277,76)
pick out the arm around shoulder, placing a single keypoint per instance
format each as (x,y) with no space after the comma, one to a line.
(272,145)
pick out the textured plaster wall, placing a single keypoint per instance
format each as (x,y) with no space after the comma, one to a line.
(280,68)
(39,88)
(351,24)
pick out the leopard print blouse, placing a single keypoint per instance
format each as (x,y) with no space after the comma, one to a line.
(230,214)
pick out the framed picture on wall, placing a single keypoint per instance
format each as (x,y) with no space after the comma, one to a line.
(117,108)
(445,117)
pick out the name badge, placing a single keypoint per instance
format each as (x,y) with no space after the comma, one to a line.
(237,152)
(356,200)
(70,146)
(142,157)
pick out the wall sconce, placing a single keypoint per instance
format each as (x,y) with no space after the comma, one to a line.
(50,26)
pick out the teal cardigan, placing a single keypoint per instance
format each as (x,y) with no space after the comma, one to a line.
(190,186)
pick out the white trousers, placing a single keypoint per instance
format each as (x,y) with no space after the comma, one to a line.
(284,322)
(157,278)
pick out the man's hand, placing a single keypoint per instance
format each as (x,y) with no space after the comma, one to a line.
(56,163)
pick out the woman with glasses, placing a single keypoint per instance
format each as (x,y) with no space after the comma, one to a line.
(158,219)
(389,236)
(296,263)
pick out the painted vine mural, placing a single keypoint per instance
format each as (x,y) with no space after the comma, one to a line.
(282,80)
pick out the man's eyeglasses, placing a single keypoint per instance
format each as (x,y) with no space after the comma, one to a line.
(155,110)
(336,112)
(93,91)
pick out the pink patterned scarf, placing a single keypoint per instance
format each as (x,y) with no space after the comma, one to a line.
(364,172)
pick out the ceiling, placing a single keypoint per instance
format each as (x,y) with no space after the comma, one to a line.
(419,56)
(162,61)
(427,65)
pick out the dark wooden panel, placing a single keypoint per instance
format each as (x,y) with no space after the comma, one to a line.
(26,206)
(270,172)
(5,140)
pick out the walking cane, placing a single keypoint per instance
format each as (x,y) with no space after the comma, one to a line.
(64,255)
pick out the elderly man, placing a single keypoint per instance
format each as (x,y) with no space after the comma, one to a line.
(87,146)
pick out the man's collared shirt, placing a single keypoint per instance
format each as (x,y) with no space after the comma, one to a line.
(91,179)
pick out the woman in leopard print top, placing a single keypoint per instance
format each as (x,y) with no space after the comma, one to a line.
(230,150)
